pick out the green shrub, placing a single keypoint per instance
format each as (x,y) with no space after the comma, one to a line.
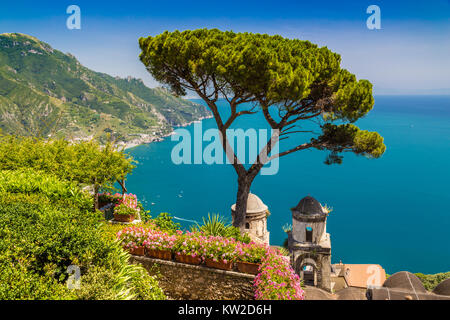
(216,225)
(235,233)
(27,181)
(165,223)
(430,281)
(127,282)
(43,231)
(85,163)
(17,281)
(123,209)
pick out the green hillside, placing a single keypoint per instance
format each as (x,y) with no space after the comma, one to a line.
(44,92)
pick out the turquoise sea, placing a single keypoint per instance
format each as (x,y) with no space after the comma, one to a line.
(393,211)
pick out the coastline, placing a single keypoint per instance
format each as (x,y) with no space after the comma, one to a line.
(147,139)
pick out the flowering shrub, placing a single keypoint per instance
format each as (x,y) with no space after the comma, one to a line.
(195,244)
(132,237)
(159,240)
(251,252)
(128,199)
(219,249)
(190,243)
(126,205)
(124,210)
(277,280)
(165,222)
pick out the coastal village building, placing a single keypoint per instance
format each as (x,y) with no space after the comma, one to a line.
(310,245)
(255,219)
(358,276)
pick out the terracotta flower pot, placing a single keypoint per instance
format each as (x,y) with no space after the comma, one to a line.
(123,217)
(183,258)
(219,264)
(159,254)
(247,267)
(139,251)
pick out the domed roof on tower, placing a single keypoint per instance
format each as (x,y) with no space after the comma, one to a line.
(309,206)
(254,204)
(443,288)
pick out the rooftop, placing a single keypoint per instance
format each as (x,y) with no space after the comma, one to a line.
(361,275)
(309,206)
(254,204)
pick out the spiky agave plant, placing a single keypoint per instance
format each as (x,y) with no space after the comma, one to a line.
(214,225)
(327,208)
(287,227)
(218,226)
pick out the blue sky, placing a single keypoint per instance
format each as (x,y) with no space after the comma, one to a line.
(409,55)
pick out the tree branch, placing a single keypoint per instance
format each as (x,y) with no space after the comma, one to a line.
(298,148)
(273,124)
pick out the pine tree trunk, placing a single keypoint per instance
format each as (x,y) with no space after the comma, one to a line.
(124,190)
(241,203)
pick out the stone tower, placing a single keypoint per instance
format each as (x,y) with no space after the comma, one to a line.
(255,219)
(309,243)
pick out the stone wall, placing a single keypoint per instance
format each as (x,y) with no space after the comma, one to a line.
(189,282)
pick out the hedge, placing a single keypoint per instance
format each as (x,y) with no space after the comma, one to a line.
(45,227)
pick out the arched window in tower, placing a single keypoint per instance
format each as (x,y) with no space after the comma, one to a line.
(309,234)
(247,225)
(309,275)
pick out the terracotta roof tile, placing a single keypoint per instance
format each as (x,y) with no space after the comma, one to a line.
(363,275)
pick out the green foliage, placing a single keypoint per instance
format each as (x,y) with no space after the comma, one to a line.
(430,281)
(296,78)
(28,182)
(46,92)
(235,233)
(165,223)
(145,214)
(102,166)
(111,229)
(192,244)
(43,230)
(216,225)
(253,62)
(18,282)
(84,162)
(126,282)
(252,253)
(123,209)
(348,137)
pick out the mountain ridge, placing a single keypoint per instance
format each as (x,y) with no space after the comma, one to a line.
(45,92)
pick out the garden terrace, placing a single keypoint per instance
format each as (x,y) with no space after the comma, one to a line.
(214,258)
